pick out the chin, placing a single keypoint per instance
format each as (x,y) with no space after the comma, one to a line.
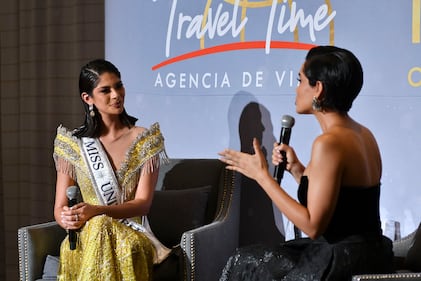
(119,111)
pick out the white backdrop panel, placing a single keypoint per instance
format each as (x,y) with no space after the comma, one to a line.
(199,101)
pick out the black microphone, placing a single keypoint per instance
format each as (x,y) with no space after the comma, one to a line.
(287,123)
(72,193)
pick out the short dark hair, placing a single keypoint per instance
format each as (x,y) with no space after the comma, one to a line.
(88,80)
(339,71)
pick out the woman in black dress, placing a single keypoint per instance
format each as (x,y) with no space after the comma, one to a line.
(339,188)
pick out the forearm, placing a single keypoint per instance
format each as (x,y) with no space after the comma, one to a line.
(297,171)
(290,207)
(128,209)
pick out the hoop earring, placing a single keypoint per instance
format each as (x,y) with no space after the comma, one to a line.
(316,104)
(91,111)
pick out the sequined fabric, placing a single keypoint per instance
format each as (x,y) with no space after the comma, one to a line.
(353,249)
(310,260)
(108,249)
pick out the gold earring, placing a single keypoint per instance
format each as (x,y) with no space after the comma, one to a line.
(91,110)
(316,104)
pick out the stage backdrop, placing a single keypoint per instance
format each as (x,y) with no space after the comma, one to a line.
(216,73)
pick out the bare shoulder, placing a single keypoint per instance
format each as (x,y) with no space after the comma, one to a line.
(327,141)
(327,149)
(368,134)
(136,131)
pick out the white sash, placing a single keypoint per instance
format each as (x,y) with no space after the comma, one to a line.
(108,192)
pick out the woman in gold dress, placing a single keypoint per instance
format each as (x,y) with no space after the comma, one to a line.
(115,164)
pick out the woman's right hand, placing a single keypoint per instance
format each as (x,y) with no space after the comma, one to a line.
(70,218)
(76,216)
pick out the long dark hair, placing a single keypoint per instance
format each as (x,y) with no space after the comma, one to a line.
(339,71)
(88,80)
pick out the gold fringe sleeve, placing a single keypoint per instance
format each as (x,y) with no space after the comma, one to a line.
(65,167)
(145,156)
(66,152)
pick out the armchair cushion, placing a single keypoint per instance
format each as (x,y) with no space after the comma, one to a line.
(50,268)
(413,258)
(185,207)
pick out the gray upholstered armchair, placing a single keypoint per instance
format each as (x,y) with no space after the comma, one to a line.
(407,260)
(195,210)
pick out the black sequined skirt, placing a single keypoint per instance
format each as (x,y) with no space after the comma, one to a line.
(308,260)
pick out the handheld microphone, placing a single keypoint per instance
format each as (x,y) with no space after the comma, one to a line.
(287,122)
(72,193)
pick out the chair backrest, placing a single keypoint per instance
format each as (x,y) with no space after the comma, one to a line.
(197,173)
(188,196)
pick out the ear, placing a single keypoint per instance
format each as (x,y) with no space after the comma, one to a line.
(318,90)
(86,98)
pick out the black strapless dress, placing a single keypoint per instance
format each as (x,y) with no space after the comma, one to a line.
(352,244)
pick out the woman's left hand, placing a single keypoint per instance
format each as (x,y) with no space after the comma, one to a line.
(253,166)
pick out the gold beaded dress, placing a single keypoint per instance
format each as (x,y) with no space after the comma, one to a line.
(106,248)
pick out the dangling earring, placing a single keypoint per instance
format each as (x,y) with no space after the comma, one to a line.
(91,111)
(316,104)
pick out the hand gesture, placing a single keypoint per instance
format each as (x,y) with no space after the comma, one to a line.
(253,166)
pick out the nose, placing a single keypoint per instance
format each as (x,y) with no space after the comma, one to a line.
(115,94)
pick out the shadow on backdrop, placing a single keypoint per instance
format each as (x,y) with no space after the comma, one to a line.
(257,218)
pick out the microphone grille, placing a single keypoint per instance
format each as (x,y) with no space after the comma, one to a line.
(72,192)
(287,121)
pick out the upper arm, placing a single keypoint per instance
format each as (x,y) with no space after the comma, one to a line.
(324,172)
(146,188)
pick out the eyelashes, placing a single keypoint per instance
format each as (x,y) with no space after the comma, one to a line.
(107,90)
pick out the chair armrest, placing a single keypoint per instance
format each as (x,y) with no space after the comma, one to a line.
(35,242)
(388,277)
(215,242)
(401,246)
(206,249)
